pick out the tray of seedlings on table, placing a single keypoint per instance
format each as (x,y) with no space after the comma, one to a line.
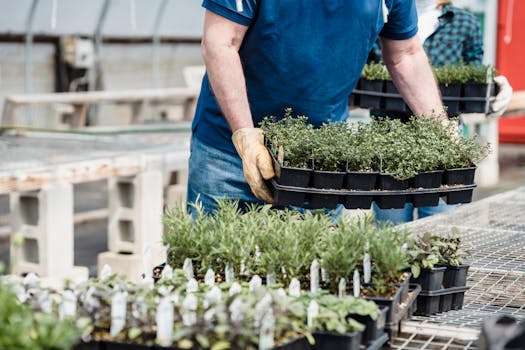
(464,89)
(387,161)
(437,265)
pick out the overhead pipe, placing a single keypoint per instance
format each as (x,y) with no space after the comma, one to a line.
(156,43)
(28,63)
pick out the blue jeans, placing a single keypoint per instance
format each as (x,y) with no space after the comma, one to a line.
(216,175)
(406,214)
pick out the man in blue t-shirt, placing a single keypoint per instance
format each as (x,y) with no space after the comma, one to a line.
(263,56)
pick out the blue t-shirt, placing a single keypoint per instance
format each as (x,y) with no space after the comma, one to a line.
(303,54)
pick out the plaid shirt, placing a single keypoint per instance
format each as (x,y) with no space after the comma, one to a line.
(457,39)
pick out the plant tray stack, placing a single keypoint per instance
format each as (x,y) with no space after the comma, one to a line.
(313,189)
(464,89)
(442,289)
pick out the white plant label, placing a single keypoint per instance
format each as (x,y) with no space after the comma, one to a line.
(229,274)
(314,276)
(68,307)
(267,334)
(31,280)
(118,313)
(167,272)
(234,289)
(165,320)
(261,308)
(188,268)
(255,283)
(341,288)
(46,304)
(147,261)
(324,275)
(357,284)
(213,296)
(281,292)
(192,286)
(239,5)
(20,293)
(270,279)
(236,314)
(367,268)
(295,288)
(106,272)
(189,310)
(312,313)
(209,278)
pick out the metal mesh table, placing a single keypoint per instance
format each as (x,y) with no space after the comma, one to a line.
(494,231)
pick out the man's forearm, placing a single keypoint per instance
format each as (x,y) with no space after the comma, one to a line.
(414,79)
(220,49)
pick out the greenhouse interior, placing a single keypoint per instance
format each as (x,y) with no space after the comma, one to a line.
(262,174)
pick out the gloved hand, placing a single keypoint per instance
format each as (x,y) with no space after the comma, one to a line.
(256,161)
(503,97)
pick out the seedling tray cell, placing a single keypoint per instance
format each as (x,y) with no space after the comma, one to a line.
(425,200)
(455,276)
(430,279)
(289,176)
(328,179)
(459,176)
(443,300)
(373,328)
(331,341)
(360,181)
(459,197)
(314,198)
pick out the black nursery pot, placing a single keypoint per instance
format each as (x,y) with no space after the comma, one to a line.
(459,197)
(373,328)
(392,303)
(430,279)
(455,276)
(360,180)
(459,176)
(110,345)
(451,94)
(330,341)
(478,90)
(288,176)
(92,345)
(328,179)
(427,179)
(325,201)
(358,201)
(389,183)
(374,86)
(396,104)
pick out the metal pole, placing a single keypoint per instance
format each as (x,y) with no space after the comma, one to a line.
(28,67)
(156,43)
(98,42)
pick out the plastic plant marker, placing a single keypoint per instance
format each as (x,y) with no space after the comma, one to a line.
(267,333)
(188,268)
(147,261)
(118,312)
(295,288)
(367,268)
(270,279)
(324,275)
(261,308)
(357,284)
(189,310)
(105,273)
(167,272)
(229,273)
(255,283)
(213,296)
(314,276)
(32,280)
(236,313)
(46,304)
(165,319)
(192,286)
(68,307)
(312,313)
(234,289)
(209,278)
(341,288)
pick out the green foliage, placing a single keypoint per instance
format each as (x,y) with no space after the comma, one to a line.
(330,147)
(465,74)
(450,248)
(375,71)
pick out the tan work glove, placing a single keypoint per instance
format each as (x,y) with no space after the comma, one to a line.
(256,161)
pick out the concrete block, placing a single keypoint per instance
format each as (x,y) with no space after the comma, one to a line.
(176,194)
(130,265)
(135,212)
(42,226)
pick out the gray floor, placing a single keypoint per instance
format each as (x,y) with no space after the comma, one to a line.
(90,237)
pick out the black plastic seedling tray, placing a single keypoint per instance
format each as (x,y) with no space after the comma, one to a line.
(374,329)
(377,343)
(315,198)
(330,341)
(442,300)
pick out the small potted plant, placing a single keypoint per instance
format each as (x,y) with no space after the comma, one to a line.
(479,87)
(372,83)
(450,80)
